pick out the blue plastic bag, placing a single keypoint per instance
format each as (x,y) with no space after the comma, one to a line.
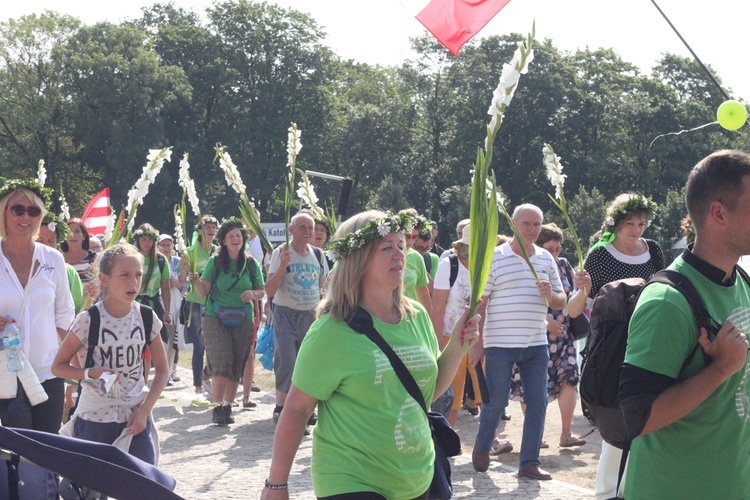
(265,346)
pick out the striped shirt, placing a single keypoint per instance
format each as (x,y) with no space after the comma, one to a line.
(516,312)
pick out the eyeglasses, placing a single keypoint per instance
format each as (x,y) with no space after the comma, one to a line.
(19,210)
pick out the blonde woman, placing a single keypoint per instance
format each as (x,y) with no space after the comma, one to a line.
(372,439)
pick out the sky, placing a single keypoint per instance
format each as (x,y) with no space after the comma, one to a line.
(378,31)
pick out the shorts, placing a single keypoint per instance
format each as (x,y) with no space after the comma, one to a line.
(227,347)
(141,447)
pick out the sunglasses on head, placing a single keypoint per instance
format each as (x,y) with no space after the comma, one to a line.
(19,210)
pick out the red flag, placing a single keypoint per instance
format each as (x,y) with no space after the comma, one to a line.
(455,22)
(97,213)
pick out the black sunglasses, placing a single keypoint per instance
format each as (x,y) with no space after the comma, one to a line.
(19,210)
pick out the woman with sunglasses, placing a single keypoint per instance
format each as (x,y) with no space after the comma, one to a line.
(34,293)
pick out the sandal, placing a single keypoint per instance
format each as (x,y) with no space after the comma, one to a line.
(571,440)
(500,447)
(544,444)
(249,403)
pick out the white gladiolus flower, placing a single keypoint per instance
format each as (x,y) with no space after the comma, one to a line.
(110,224)
(188,185)
(332,256)
(41,173)
(64,209)
(231,173)
(554,170)
(52,226)
(293,146)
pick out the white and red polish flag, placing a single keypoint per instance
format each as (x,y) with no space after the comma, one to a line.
(455,22)
(97,213)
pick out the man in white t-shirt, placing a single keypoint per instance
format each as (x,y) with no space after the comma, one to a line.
(296,278)
(513,330)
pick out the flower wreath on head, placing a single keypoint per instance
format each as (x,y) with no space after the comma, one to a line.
(613,219)
(207,220)
(144,232)
(423,225)
(57,226)
(229,224)
(375,229)
(7,186)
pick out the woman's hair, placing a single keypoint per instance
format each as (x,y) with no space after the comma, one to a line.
(345,290)
(106,260)
(84,234)
(549,232)
(146,228)
(35,199)
(223,256)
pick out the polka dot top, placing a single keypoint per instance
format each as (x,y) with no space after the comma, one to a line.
(606,264)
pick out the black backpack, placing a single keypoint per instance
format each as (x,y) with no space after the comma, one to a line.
(605,348)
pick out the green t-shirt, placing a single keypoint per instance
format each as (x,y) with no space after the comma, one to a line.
(153,287)
(224,291)
(371,435)
(202,257)
(75,285)
(707,453)
(415,274)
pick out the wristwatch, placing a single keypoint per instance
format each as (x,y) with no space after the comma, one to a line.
(86,374)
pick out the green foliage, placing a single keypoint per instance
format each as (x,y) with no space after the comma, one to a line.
(92,100)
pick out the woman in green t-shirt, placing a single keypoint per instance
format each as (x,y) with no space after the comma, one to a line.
(155,282)
(230,282)
(202,248)
(372,438)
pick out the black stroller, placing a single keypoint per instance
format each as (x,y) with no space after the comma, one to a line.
(86,468)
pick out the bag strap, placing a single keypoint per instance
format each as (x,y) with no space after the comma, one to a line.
(653,252)
(427,261)
(703,319)
(361,322)
(94,325)
(454,269)
(147,315)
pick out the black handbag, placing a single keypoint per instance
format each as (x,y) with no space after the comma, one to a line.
(578,327)
(445,439)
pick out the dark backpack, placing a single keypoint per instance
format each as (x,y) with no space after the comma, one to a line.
(605,348)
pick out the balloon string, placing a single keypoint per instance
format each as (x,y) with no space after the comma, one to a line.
(683,131)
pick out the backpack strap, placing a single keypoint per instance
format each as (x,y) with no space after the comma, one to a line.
(427,262)
(318,255)
(454,269)
(94,325)
(147,315)
(162,262)
(703,319)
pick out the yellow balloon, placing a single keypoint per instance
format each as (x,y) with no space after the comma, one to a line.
(731,114)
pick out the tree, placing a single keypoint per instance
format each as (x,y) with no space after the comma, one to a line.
(121,92)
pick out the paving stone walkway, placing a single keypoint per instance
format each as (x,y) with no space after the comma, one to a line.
(212,462)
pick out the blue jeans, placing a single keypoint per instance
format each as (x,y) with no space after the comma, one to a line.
(532,363)
(194,335)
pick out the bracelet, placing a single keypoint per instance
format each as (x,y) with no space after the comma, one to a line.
(276,486)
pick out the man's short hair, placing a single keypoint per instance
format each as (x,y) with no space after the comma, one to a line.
(527,206)
(717,177)
(301,215)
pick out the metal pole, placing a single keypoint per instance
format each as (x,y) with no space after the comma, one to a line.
(695,56)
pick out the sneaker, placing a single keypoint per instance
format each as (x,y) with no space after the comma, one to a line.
(175,377)
(227,410)
(277,414)
(217,416)
(313,418)
(499,447)
(307,430)
(255,388)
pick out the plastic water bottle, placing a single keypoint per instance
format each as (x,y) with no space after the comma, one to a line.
(12,346)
